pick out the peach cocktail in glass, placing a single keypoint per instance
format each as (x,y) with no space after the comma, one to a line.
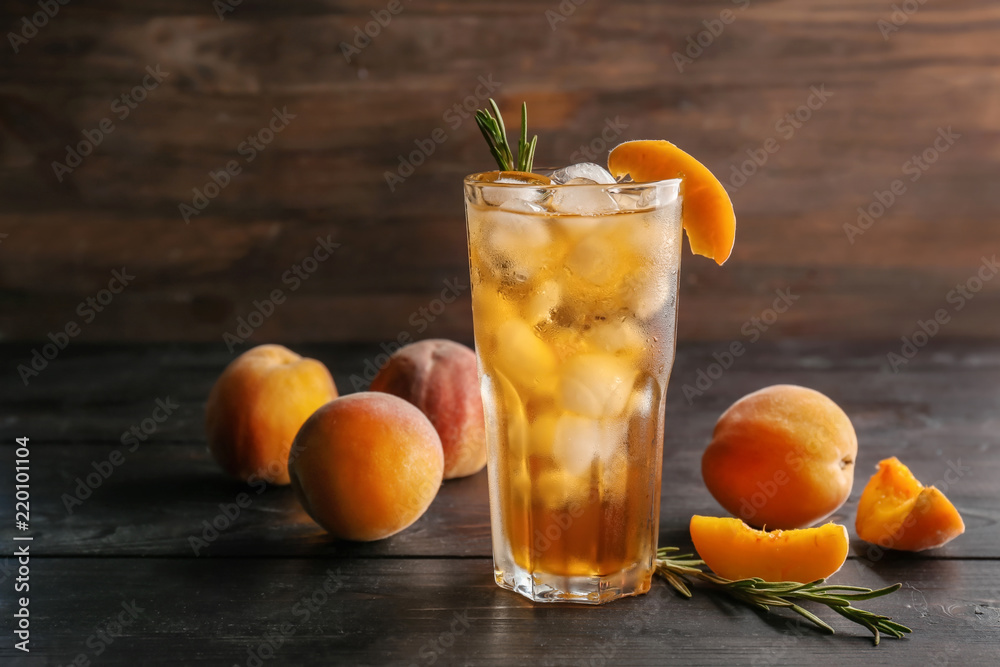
(574,298)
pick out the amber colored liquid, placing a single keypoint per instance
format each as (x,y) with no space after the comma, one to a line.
(573,323)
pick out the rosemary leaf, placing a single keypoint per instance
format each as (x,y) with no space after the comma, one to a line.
(677,569)
(491,125)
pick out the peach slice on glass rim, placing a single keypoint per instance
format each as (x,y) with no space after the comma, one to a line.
(707,211)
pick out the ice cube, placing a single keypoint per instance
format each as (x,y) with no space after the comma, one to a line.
(558,487)
(576,443)
(542,434)
(582,197)
(542,302)
(579,442)
(626,200)
(522,357)
(502,194)
(511,198)
(617,336)
(522,241)
(647,291)
(596,385)
(594,173)
(649,236)
(595,259)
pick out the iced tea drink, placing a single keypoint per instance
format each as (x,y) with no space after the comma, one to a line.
(574,297)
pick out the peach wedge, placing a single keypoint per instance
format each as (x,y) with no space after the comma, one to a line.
(734,550)
(898,512)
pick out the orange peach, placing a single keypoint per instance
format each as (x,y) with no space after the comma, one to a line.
(782,457)
(366,466)
(440,378)
(257,406)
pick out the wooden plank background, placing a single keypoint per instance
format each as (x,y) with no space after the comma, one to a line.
(324,173)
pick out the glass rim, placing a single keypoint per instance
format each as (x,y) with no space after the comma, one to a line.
(470,180)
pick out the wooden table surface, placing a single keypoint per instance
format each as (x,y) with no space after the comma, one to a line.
(270,588)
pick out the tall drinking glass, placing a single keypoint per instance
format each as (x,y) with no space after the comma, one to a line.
(574,298)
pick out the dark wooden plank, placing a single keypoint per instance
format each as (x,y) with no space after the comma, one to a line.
(212,276)
(92,393)
(160,498)
(197,612)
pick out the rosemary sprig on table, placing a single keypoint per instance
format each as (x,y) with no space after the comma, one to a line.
(492,127)
(678,569)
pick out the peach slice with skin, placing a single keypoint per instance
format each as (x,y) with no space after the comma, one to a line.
(734,550)
(898,512)
(707,211)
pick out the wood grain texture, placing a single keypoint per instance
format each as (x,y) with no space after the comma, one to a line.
(939,417)
(159,501)
(274,586)
(448,611)
(324,173)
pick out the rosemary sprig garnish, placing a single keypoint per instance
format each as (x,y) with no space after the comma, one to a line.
(678,569)
(492,127)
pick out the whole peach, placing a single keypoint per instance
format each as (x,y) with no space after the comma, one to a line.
(257,406)
(781,457)
(440,378)
(366,466)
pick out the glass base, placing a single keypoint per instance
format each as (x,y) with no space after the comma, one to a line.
(543,587)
